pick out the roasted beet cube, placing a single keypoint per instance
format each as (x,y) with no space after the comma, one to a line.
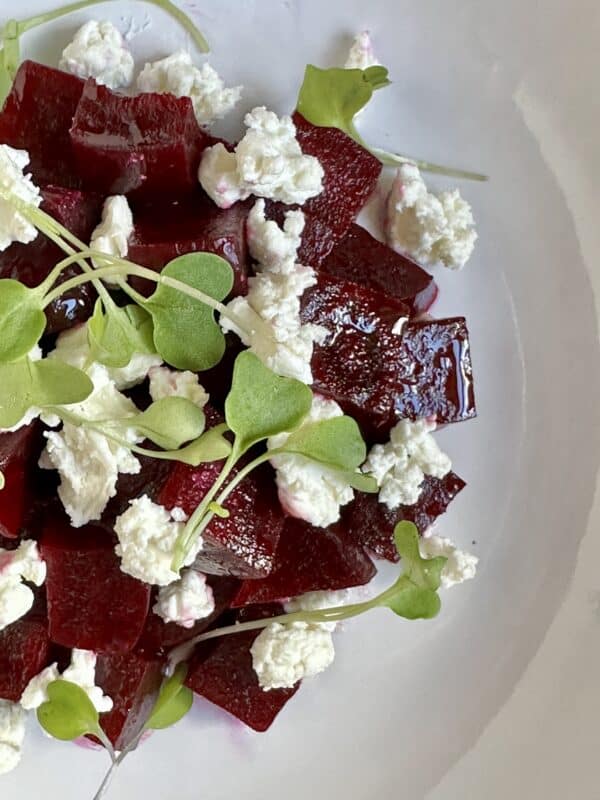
(19,452)
(221,671)
(244,544)
(371,524)
(79,212)
(24,652)
(167,230)
(92,604)
(37,116)
(132,682)
(149,480)
(159,637)
(309,559)
(149,144)
(360,258)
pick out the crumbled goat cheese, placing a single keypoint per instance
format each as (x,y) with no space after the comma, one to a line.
(284,654)
(147,536)
(165,382)
(400,466)
(185,601)
(98,51)
(87,461)
(430,228)
(12,735)
(178,75)
(361,55)
(73,348)
(111,236)
(17,566)
(309,490)
(81,671)
(267,162)
(14,227)
(275,248)
(316,601)
(460,566)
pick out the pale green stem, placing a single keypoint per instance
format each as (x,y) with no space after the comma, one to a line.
(392,159)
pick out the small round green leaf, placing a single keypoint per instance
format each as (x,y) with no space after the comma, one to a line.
(68,713)
(22,320)
(173,702)
(336,442)
(116,334)
(170,422)
(414,602)
(332,97)
(211,446)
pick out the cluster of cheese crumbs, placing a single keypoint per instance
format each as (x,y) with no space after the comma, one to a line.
(17,568)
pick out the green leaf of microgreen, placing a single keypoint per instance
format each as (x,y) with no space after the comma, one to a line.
(211,446)
(22,320)
(170,422)
(29,384)
(261,403)
(116,334)
(68,713)
(173,702)
(186,334)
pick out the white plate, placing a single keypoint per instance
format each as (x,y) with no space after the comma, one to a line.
(510,89)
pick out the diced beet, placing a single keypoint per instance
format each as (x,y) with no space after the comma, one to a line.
(149,480)
(148,144)
(359,363)
(244,544)
(79,212)
(309,559)
(167,230)
(159,636)
(132,682)
(37,116)
(435,376)
(19,452)
(92,604)
(221,671)
(360,258)
(371,524)
(24,652)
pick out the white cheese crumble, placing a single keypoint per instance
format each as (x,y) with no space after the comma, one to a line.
(185,601)
(430,228)
(147,535)
(111,236)
(309,490)
(317,601)
(460,566)
(400,466)
(361,55)
(267,162)
(275,248)
(17,566)
(87,461)
(14,227)
(98,51)
(178,75)
(12,735)
(284,654)
(81,671)
(165,382)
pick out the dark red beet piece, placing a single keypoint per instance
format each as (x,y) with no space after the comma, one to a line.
(37,116)
(148,144)
(149,480)
(164,231)
(133,683)
(92,604)
(159,637)
(360,258)
(79,212)
(24,652)
(221,671)
(309,559)
(19,452)
(371,524)
(244,544)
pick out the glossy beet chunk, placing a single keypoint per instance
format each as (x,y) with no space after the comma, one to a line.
(221,671)
(79,212)
(92,604)
(24,652)
(309,559)
(149,144)
(132,682)
(244,544)
(167,230)
(19,452)
(37,116)
(370,523)
(360,258)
